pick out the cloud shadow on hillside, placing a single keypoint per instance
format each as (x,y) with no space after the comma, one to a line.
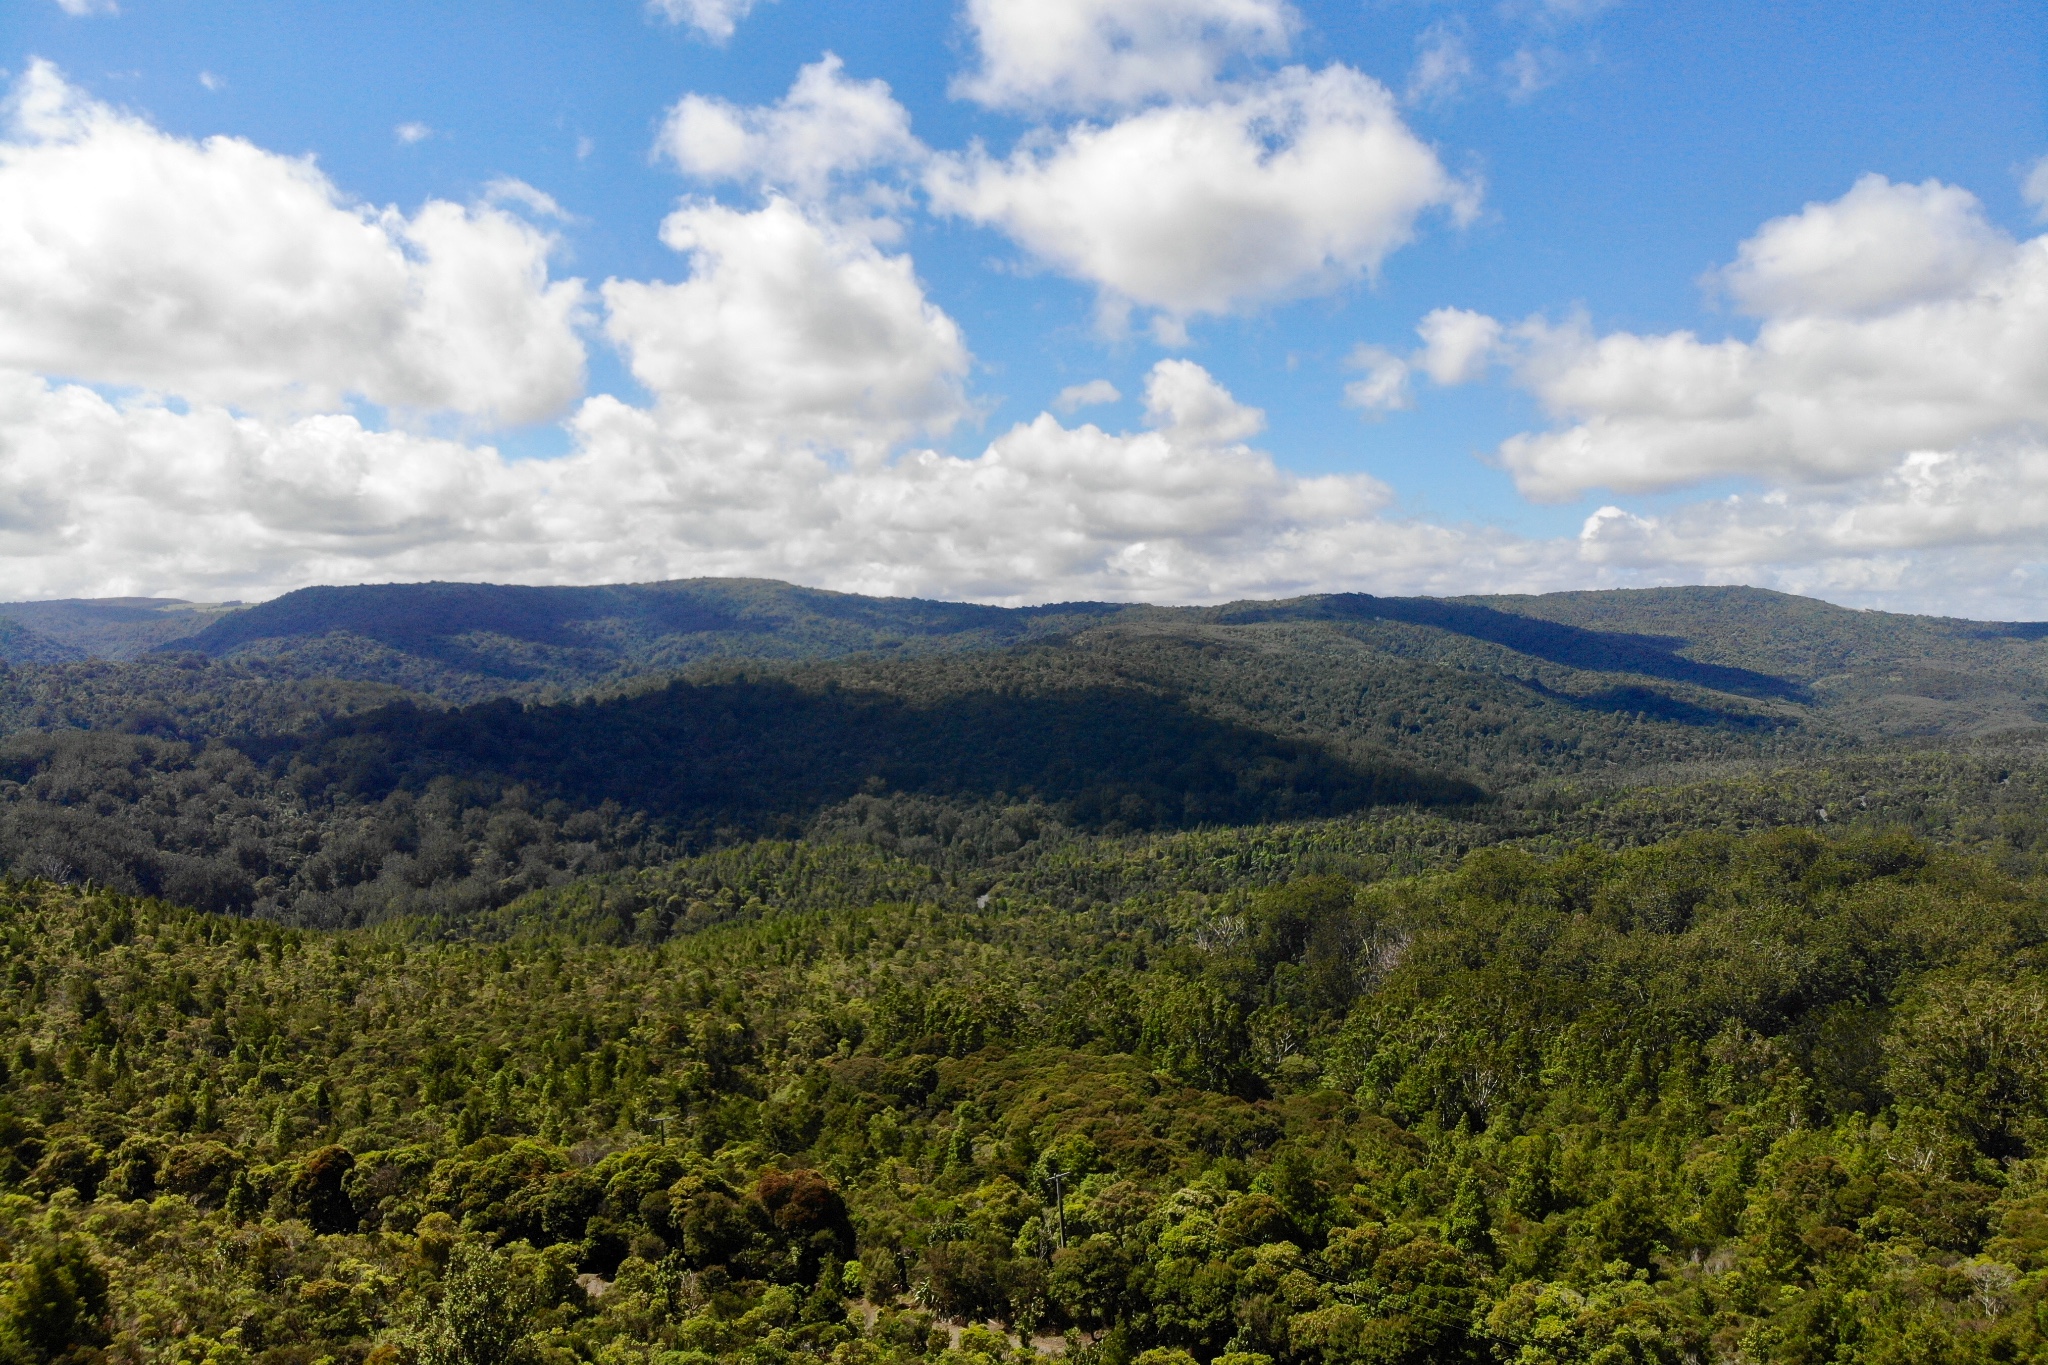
(1603,651)
(713,759)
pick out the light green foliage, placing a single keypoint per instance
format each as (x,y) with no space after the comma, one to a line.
(1777,1096)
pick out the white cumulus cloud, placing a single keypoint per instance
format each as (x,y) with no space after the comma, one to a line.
(790,328)
(1292,186)
(1184,400)
(225,273)
(1895,319)
(825,127)
(1094,393)
(1093,54)
(1878,248)
(1457,344)
(226,294)
(102,497)
(1383,386)
(715,19)
(1952,532)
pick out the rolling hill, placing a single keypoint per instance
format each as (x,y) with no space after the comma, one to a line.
(465,641)
(1898,675)
(344,755)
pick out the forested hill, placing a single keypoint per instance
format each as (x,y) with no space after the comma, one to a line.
(252,783)
(100,627)
(1882,672)
(466,642)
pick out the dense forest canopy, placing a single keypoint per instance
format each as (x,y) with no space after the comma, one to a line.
(679,973)
(1776,1098)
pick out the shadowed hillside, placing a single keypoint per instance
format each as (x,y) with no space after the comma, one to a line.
(697,758)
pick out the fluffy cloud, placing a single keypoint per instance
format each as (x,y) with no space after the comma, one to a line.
(1094,393)
(715,19)
(106,497)
(1457,344)
(1184,401)
(826,126)
(1383,384)
(1894,320)
(1295,185)
(1181,509)
(1956,532)
(1091,54)
(1924,500)
(790,328)
(786,369)
(1878,248)
(97,497)
(2034,188)
(1892,407)
(228,274)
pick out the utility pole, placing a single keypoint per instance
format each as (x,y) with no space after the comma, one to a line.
(1059,1198)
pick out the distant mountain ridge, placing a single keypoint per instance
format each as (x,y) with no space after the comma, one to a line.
(345,754)
(467,642)
(100,627)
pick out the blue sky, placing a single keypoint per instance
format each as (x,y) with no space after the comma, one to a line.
(1597,167)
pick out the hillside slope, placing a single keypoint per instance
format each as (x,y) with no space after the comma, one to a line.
(466,641)
(1887,674)
(1880,672)
(19,644)
(243,784)
(110,627)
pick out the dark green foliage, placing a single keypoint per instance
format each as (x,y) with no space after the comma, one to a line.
(21,645)
(55,1304)
(700,757)
(1596,651)
(465,641)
